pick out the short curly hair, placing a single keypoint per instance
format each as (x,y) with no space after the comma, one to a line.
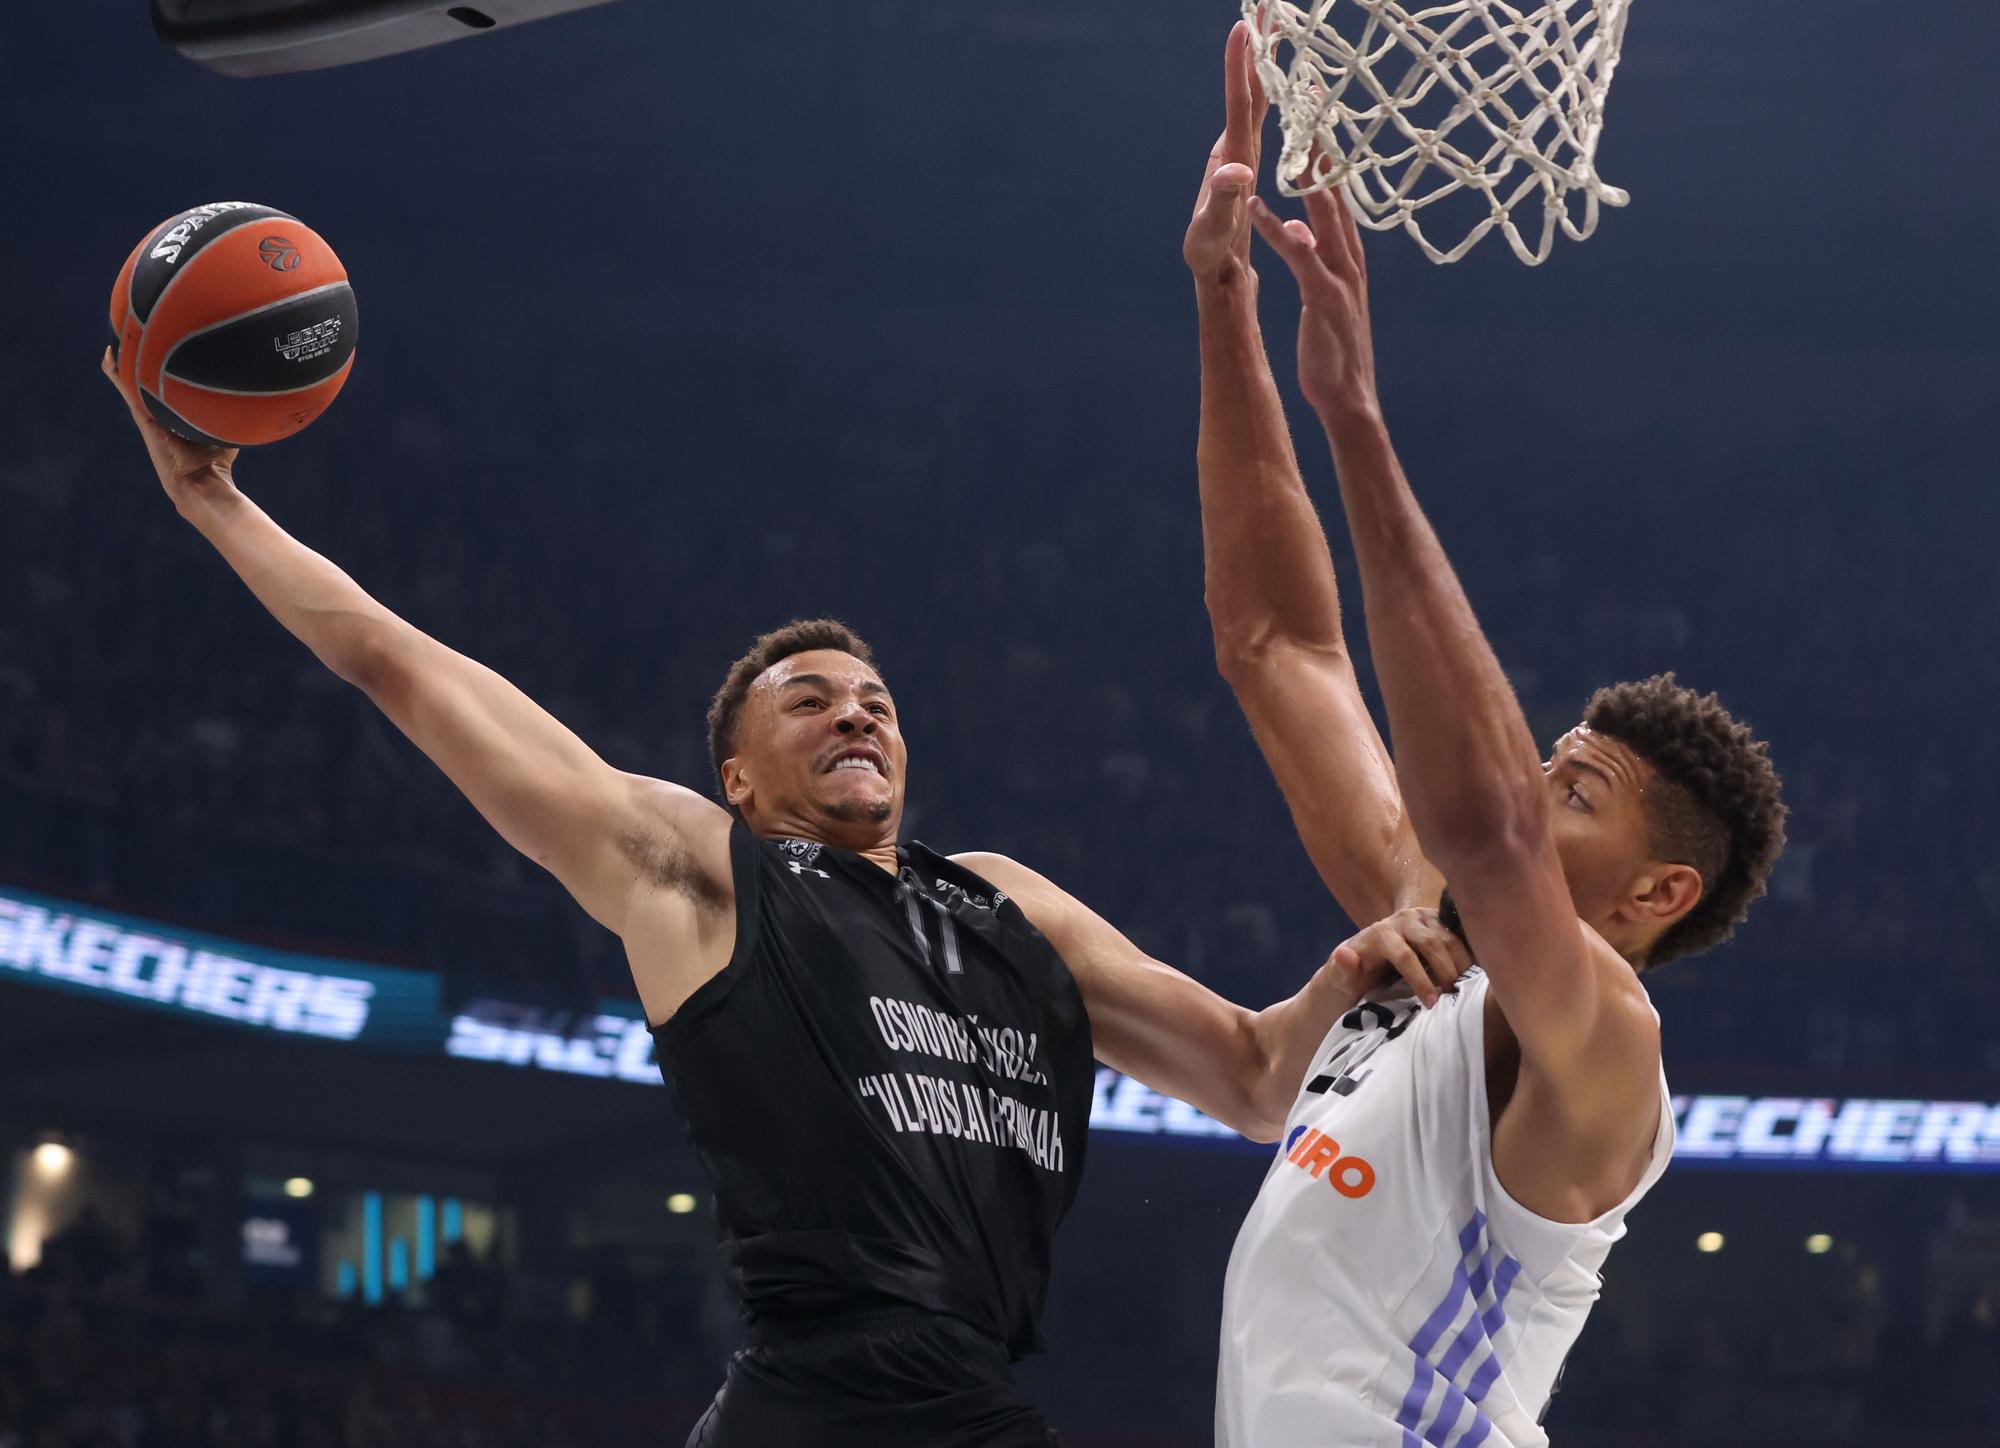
(1720,811)
(800,636)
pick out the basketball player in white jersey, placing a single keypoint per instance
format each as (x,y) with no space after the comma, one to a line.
(1459,1160)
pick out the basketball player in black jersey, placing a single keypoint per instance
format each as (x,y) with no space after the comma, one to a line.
(883,1054)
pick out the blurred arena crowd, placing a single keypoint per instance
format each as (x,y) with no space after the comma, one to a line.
(108,1344)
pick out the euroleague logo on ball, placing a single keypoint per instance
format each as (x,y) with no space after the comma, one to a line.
(279,253)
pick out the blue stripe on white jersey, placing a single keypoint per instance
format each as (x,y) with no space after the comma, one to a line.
(1476,1284)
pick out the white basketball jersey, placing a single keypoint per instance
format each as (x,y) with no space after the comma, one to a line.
(1385,1291)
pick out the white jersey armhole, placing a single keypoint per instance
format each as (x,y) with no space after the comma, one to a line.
(1541,1243)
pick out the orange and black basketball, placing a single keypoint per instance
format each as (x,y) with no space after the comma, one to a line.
(236,321)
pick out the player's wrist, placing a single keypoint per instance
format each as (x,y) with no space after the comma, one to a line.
(1233,283)
(205,497)
(1352,413)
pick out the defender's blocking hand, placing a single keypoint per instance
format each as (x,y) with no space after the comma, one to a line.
(1217,246)
(1336,338)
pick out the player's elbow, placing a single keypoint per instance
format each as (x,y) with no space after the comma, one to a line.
(1253,1110)
(369,655)
(1484,832)
(1238,641)
(367,667)
(1262,1117)
(1251,653)
(1262,1128)
(1265,1099)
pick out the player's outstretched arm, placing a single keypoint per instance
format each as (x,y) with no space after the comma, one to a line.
(1273,602)
(1469,769)
(598,830)
(1170,1031)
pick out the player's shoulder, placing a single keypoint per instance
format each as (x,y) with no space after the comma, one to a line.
(1604,1084)
(1612,1049)
(1046,904)
(981,861)
(1008,874)
(1625,1008)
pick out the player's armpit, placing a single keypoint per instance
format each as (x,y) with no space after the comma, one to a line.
(1305,709)
(1576,1135)
(679,921)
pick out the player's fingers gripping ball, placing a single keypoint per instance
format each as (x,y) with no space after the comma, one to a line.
(235,322)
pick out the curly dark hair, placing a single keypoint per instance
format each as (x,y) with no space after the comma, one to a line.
(797,637)
(1720,811)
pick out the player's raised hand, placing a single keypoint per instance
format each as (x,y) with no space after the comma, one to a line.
(1217,246)
(1336,338)
(186,469)
(1414,944)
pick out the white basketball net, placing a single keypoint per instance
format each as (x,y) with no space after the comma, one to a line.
(1404,105)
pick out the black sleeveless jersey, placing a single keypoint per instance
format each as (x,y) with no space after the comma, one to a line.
(889,1087)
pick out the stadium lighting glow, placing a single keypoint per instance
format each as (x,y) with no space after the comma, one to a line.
(1708,1242)
(299,1187)
(426,1238)
(1819,1244)
(52,1158)
(371,1248)
(681,1203)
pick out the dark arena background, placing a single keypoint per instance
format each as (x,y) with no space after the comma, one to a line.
(329,1121)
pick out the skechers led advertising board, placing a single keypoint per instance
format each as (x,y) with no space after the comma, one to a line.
(64,946)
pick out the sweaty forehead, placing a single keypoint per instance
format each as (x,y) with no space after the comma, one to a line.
(841,670)
(1584,745)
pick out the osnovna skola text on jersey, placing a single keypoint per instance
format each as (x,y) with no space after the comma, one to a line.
(889,1087)
(1385,1291)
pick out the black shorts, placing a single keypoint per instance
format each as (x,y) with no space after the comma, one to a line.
(901,1380)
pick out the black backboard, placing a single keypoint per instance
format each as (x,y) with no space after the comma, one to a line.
(275,37)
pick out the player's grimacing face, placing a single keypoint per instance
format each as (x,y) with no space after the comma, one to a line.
(821,744)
